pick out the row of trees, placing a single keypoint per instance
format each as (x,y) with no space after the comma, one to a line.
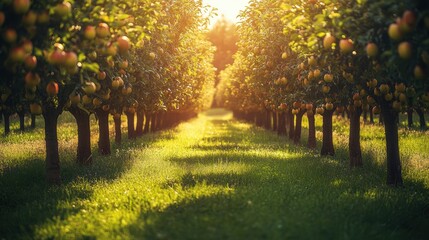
(312,57)
(147,60)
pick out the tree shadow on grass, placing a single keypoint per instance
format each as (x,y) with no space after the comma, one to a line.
(277,198)
(27,201)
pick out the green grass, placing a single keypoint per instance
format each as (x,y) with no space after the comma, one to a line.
(213,178)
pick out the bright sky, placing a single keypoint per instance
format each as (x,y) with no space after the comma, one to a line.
(229,8)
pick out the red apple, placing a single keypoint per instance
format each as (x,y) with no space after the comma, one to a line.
(30,62)
(70,59)
(43,17)
(17,54)
(21,6)
(63,9)
(101,75)
(35,109)
(32,79)
(89,32)
(57,57)
(10,35)
(123,43)
(52,88)
(346,46)
(103,30)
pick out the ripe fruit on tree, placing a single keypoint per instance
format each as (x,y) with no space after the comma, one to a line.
(97,102)
(405,50)
(74,98)
(284,55)
(376,110)
(328,77)
(89,32)
(124,64)
(32,79)
(86,99)
(101,75)
(326,89)
(394,32)
(320,110)
(57,57)
(371,50)
(52,88)
(103,30)
(388,97)
(21,6)
(329,106)
(296,104)
(384,88)
(30,62)
(309,106)
(346,46)
(29,19)
(70,59)
(10,35)
(311,61)
(43,18)
(63,9)
(17,54)
(419,73)
(316,73)
(328,40)
(123,43)
(35,109)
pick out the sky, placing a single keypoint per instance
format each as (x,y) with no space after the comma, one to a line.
(229,8)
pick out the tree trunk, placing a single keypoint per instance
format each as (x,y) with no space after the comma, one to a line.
(147,123)
(298,127)
(327,142)
(33,121)
(394,171)
(130,124)
(355,152)
(160,120)
(84,154)
(139,125)
(365,116)
(118,130)
(6,117)
(311,131)
(281,128)
(267,120)
(52,161)
(421,118)
(275,118)
(410,117)
(371,117)
(104,138)
(21,116)
(153,122)
(291,119)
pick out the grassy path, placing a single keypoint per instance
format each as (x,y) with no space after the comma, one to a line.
(210,178)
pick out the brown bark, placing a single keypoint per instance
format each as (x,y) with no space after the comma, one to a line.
(410,117)
(6,117)
(130,124)
(139,124)
(267,124)
(147,123)
(21,116)
(422,120)
(291,119)
(103,131)
(355,152)
(281,128)
(298,127)
(275,122)
(311,131)
(33,121)
(394,168)
(327,141)
(52,161)
(118,130)
(84,154)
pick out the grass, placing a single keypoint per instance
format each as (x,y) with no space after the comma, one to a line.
(213,178)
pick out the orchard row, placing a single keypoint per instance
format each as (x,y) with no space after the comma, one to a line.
(107,57)
(324,56)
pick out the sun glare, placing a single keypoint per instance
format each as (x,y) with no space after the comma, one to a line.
(229,8)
